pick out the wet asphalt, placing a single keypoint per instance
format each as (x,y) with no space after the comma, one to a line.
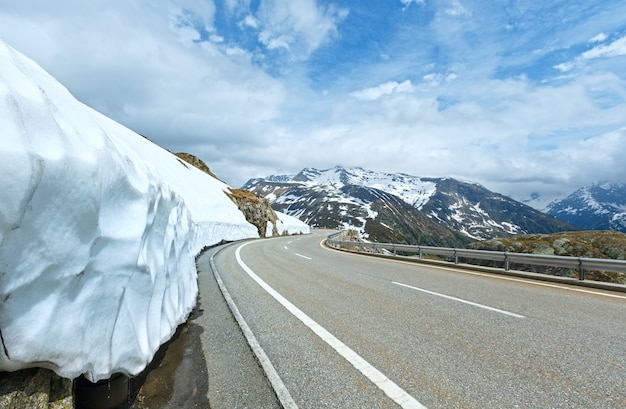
(207,364)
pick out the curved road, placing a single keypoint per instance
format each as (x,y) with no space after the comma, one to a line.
(350,331)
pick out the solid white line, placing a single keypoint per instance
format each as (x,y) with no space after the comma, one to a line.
(544,284)
(277,384)
(300,255)
(495,275)
(460,300)
(392,390)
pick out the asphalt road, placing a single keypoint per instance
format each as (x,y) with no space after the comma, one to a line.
(373,333)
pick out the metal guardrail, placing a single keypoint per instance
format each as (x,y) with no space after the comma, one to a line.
(581,264)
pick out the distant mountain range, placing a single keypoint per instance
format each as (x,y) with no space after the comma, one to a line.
(400,207)
(600,206)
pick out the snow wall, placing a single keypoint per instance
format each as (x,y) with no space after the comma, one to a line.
(99,229)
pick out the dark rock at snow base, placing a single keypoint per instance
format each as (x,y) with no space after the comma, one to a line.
(35,388)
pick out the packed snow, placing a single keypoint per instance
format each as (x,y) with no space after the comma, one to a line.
(288,225)
(99,229)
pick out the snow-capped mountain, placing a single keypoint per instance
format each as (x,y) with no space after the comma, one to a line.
(600,206)
(336,198)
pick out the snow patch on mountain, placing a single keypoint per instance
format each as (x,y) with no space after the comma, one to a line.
(599,206)
(413,190)
(464,207)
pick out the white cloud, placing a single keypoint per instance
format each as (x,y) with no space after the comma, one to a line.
(457,9)
(598,38)
(237,7)
(250,21)
(565,67)
(443,117)
(300,27)
(374,93)
(616,48)
(193,13)
(273,41)
(407,3)
(151,76)
(435,79)
(215,38)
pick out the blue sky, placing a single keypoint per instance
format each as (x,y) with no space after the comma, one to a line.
(521,96)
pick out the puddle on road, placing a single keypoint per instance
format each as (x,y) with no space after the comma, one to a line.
(177,376)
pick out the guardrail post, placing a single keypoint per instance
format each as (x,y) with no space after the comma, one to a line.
(581,271)
(571,263)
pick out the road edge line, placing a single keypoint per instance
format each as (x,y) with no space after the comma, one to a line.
(281,391)
(386,385)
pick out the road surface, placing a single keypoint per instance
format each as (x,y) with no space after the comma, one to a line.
(344,330)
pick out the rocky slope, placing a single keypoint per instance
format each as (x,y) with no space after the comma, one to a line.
(600,206)
(482,214)
(257,210)
(195,161)
(592,244)
(355,197)
(595,244)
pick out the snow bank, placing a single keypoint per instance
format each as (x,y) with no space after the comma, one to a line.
(288,225)
(99,229)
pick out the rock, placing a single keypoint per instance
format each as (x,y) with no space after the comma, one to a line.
(34,388)
(256,209)
(606,244)
(542,248)
(559,246)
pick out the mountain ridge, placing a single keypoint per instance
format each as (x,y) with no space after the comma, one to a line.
(465,208)
(598,206)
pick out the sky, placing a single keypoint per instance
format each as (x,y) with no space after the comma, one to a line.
(523,96)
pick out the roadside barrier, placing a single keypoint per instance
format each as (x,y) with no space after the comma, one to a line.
(499,259)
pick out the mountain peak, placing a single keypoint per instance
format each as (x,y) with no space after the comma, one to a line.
(598,206)
(465,207)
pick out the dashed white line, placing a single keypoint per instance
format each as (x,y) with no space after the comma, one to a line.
(393,391)
(486,307)
(496,275)
(300,255)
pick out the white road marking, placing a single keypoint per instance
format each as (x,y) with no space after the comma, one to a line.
(495,275)
(285,247)
(279,387)
(392,390)
(544,284)
(460,300)
(300,255)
